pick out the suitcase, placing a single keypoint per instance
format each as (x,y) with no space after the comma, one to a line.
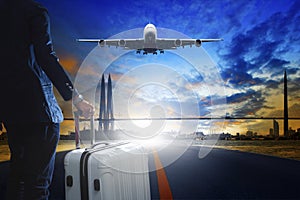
(107,171)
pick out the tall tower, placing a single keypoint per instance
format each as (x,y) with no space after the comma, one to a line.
(102,112)
(109,106)
(286,115)
(106,105)
(275,128)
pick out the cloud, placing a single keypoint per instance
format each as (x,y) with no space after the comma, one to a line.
(257,57)
(260,46)
(249,103)
(239,97)
(261,40)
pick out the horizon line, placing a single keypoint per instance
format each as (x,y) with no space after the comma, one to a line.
(185,118)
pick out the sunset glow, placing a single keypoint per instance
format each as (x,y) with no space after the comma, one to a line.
(261,40)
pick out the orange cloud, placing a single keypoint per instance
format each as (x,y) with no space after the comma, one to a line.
(66,127)
(70,63)
(126,79)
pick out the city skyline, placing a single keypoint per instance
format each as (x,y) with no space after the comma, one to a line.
(280,129)
(104,89)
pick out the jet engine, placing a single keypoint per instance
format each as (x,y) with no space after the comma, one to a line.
(178,43)
(198,43)
(101,43)
(122,43)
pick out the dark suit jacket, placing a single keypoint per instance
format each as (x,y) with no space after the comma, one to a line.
(28,65)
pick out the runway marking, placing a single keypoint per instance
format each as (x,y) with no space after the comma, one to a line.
(163,184)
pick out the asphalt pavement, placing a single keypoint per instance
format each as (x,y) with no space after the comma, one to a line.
(227,174)
(222,174)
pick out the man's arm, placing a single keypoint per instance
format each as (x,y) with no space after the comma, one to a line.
(46,58)
(45,55)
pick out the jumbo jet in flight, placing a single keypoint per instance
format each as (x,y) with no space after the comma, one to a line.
(150,43)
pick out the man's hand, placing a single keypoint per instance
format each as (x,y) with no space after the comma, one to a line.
(85,108)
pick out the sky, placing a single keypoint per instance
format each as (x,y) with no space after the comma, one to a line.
(261,41)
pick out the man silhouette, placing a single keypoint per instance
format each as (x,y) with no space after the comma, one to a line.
(28,107)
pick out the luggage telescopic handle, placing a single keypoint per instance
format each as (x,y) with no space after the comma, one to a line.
(77,132)
(92,130)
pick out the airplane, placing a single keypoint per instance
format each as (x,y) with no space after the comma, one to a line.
(150,43)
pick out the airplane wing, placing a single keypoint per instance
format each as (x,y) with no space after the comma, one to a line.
(125,43)
(166,43)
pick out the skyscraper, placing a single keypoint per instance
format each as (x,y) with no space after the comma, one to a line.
(109,105)
(271,132)
(106,104)
(275,129)
(286,116)
(102,111)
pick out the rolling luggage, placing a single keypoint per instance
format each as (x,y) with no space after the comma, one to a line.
(107,171)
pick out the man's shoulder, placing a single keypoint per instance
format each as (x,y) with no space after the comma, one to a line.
(34,7)
(38,5)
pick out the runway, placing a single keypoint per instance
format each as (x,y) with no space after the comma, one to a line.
(222,174)
(225,174)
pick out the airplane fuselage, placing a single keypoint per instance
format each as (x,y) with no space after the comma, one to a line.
(150,35)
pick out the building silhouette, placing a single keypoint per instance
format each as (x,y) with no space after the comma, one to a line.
(271,132)
(249,133)
(286,115)
(106,105)
(275,129)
